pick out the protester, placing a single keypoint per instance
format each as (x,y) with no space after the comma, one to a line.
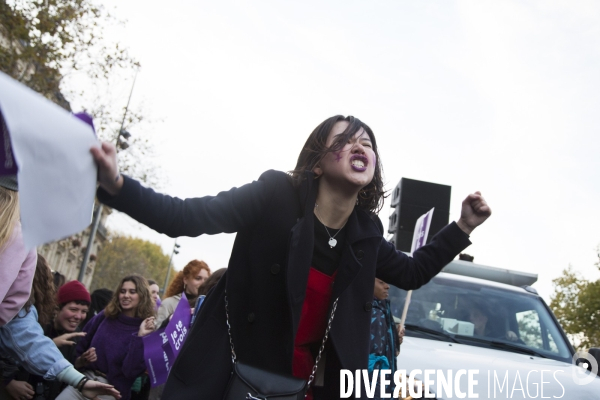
(187,280)
(73,305)
(314,226)
(18,381)
(17,265)
(23,344)
(154,289)
(385,343)
(100,298)
(73,301)
(116,335)
(141,389)
(208,284)
(211,282)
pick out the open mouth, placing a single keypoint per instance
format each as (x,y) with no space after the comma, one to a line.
(359,162)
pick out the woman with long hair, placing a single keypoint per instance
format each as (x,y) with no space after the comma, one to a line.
(187,281)
(116,335)
(17,264)
(22,343)
(43,294)
(306,241)
(154,292)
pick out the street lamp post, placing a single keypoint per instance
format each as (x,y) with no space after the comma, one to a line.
(175,251)
(88,249)
(98,211)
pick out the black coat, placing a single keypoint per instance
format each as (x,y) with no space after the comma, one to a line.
(267,276)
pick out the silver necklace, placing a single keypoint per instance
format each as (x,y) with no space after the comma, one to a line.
(332,242)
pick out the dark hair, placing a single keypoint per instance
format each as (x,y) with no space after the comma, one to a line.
(211,281)
(42,295)
(100,298)
(370,198)
(59,279)
(152,282)
(145,307)
(79,302)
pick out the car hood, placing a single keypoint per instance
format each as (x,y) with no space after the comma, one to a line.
(501,374)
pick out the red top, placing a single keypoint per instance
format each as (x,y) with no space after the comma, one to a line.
(313,322)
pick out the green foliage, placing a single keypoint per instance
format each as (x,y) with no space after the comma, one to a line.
(124,256)
(45,40)
(589,314)
(57,47)
(576,304)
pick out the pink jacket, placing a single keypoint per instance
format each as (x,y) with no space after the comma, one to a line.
(17,266)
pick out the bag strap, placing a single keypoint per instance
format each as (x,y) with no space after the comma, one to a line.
(317,359)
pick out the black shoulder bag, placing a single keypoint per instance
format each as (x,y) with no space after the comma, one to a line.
(251,383)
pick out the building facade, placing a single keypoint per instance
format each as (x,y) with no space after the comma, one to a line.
(66,255)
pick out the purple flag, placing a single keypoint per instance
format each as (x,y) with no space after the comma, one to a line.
(179,326)
(422,237)
(421,230)
(87,118)
(158,356)
(161,347)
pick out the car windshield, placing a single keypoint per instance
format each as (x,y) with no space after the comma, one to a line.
(481,315)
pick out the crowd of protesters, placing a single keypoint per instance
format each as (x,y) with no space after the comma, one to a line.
(308,245)
(58,341)
(52,350)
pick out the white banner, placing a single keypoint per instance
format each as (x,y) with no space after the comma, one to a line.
(57,174)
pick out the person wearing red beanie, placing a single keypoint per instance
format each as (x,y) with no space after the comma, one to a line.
(73,301)
(73,291)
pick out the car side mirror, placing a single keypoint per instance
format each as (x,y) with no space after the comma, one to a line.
(594,352)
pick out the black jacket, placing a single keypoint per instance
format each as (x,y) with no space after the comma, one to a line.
(267,276)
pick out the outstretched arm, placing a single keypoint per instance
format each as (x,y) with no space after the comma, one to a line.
(23,340)
(406,272)
(94,389)
(229,211)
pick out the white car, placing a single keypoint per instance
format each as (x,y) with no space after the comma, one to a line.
(482,332)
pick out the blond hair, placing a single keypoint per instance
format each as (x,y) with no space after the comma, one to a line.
(9,214)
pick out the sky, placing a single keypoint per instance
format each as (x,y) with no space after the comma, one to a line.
(500,97)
